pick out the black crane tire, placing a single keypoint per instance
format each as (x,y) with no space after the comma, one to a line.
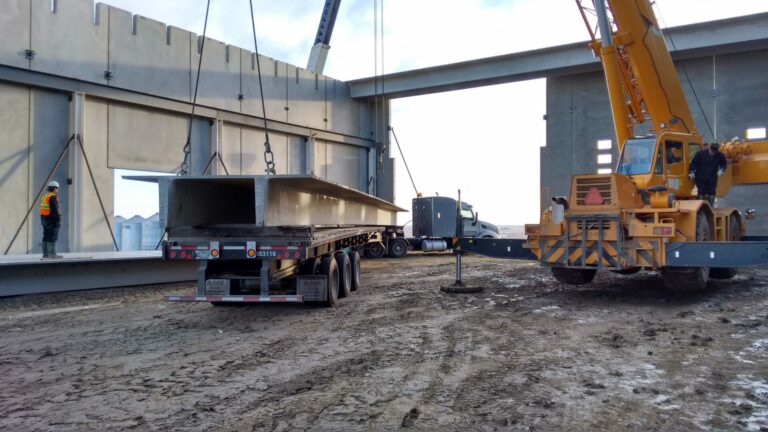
(572,276)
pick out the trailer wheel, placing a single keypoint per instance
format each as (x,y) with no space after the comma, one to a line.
(375,250)
(689,279)
(345,274)
(354,261)
(309,267)
(573,276)
(733,235)
(398,248)
(328,267)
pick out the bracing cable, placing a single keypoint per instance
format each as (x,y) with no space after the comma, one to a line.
(269,157)
(404,161)
(188,145)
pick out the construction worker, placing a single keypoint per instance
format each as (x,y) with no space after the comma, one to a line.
(707,165)
(50,216)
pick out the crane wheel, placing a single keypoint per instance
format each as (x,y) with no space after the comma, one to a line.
(733,235)
(354,260)
(345,274)
(573,276)
(689,279)
(329,268)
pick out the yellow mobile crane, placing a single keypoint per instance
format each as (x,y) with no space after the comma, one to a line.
(646,215)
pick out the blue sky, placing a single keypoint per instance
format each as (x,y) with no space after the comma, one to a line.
(491,136)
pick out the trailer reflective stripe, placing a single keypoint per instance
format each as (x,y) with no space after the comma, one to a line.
(236,299)
(233,247)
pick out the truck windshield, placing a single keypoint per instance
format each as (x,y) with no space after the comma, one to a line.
(637,156)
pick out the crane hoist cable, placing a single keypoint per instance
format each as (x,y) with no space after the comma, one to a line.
(404,161)
(687,78)
(188,145)
(269,157)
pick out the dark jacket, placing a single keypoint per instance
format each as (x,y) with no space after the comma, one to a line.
(705,165)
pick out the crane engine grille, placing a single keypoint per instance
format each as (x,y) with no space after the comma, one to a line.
(585,185)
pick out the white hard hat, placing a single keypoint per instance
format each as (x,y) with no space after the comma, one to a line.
(53,183)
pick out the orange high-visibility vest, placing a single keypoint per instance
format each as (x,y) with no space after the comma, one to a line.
(45,204)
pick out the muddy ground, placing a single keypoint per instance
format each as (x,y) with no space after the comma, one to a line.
(528,354)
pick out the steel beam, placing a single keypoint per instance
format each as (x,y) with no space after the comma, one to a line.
(733,35)
(253,202)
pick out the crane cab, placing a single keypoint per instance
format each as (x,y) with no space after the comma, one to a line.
(660,160)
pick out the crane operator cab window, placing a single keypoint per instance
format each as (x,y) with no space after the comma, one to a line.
(672,161)
(636,157)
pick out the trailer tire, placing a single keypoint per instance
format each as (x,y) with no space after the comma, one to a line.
(398,248)
(345,274)
(689,279)
(309,267)
(375,250)
(733,235)
(573,276)
(354,261)
(329,268)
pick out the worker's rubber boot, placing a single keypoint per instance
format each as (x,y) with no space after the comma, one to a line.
(52,251)
(46,253)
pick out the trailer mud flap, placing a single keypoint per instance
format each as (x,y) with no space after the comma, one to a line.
(312,288)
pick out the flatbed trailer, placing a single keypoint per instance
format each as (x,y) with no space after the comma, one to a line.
(276,264)
(278,238)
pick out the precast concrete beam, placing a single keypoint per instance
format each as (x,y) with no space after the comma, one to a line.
(725,36)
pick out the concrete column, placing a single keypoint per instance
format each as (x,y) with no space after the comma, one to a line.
(309,155)
(385,167)
(77,172)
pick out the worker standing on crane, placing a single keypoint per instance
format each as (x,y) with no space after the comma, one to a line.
(50,217)
(707,165)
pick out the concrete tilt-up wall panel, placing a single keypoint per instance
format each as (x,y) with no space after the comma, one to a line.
(14,167)
(15,32)
(80,49)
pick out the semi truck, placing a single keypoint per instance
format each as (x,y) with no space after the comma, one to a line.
(269,238)
(434,225)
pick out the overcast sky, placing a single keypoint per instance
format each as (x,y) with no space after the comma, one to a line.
(485,141)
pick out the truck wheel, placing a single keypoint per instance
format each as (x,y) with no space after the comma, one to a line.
(689,279)
(354,261)
(573,276)
(398,248)
(733,235)
(328,267)
(309,267)
(345,274)
(374,250)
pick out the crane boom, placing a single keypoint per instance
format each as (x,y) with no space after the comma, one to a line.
(320,49)
(643,85)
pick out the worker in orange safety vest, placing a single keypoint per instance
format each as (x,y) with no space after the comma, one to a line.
(50,216)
